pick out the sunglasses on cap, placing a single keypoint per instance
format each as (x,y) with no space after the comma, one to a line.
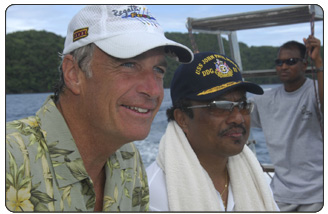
(290,61)
(225,107)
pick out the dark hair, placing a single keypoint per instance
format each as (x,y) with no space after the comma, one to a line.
(182,105)
(294,45)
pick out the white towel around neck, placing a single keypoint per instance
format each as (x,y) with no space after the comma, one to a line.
(190,188)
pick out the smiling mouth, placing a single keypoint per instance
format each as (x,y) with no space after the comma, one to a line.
(137,109)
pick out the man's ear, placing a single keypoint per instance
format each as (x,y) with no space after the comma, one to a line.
(182,119)
(71,74)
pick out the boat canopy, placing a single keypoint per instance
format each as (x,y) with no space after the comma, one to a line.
(229,24)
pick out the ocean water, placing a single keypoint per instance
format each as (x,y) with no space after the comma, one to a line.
(23,105)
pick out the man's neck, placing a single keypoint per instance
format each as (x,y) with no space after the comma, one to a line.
(99,186)
(93,147)
(215,166)
(290,87)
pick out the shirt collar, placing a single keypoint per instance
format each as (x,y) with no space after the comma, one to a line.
(64,155)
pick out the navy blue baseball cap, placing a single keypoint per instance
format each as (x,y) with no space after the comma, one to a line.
(208,76)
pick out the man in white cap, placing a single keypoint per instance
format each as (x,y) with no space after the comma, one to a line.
(74,154)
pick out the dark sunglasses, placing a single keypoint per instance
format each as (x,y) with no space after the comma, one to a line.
(290,61)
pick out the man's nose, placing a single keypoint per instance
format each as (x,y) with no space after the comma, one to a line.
(150,85)
(235,116)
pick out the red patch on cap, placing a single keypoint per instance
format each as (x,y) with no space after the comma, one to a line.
(80,33)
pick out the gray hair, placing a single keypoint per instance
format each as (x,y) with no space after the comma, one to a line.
(83,57)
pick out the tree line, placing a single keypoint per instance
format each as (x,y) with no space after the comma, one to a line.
(32,59)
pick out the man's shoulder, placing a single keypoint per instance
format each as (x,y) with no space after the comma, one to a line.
(152,170)
(128,147)
(22,135)
(268,93)
(128,150)
(157,188)
(156,176)
(25,126)
(31,124)
(127,156)
(272,90)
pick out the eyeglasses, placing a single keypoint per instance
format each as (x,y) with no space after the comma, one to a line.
(225,107)
(290,61)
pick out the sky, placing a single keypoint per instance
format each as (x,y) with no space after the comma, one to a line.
(55,18)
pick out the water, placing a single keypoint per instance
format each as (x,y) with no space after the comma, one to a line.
(22,105)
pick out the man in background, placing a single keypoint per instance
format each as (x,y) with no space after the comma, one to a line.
(74,154)
(290,117)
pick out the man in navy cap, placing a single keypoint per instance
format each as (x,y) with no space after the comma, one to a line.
(203,163)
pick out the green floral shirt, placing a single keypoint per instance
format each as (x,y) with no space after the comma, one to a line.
(45,172)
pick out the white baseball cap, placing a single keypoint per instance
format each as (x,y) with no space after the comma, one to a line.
(122,31)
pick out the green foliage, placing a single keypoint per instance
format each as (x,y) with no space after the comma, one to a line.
(253,58)
(205,42)
(32,59)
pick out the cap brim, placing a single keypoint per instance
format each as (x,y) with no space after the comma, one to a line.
(247,86)
(126,46)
